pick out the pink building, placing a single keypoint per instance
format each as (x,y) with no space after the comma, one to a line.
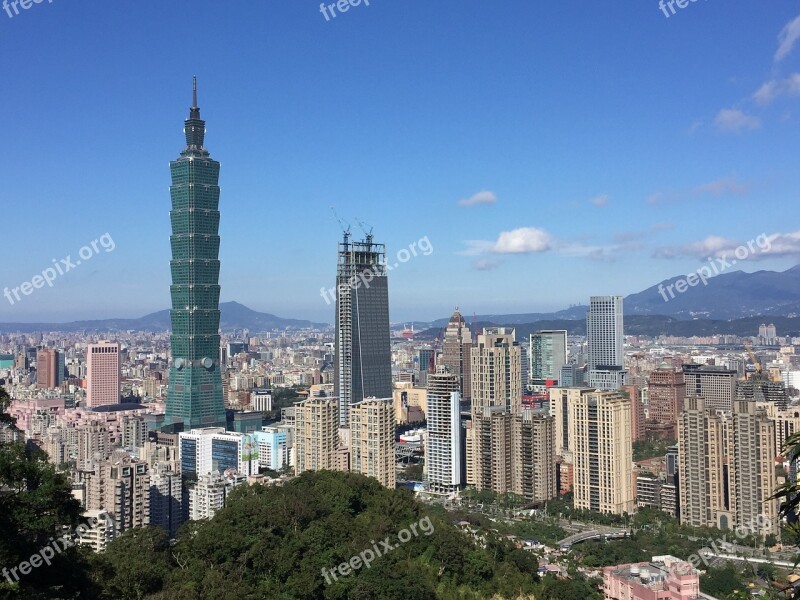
(663,578)
(102,374)
(23,410)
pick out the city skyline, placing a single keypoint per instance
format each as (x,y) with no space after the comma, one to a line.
(743,128)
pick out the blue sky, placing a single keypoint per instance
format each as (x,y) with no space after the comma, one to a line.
(548,151)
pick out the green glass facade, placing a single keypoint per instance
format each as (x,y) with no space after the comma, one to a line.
(195,382)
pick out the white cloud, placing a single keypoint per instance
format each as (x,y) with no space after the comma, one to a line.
(525,240)
(484,197)
(760,247)
(601,201)
(775,88)
(485,264)
(733,120)
(787,39)
(720,187)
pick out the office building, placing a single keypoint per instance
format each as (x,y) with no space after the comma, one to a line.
(443,452)
(372,428)
(212,449)
(604,332)
(102,374)
(456,353)
(715,384)
(547,355)
(362,352)
(46,368)
(601,443)
(194,396)
(760,388)
(261,400)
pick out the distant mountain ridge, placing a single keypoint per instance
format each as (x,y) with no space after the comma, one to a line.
(233,316)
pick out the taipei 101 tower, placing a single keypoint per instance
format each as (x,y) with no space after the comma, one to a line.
(195,382)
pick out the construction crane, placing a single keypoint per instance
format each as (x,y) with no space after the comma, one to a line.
(753,357)
(344,226)
(432,362)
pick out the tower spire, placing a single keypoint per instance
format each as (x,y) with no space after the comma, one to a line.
(194,111)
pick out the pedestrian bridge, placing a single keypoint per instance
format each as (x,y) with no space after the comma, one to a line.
(585,536)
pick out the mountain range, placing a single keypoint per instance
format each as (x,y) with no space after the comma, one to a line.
(735,303)
(233,316)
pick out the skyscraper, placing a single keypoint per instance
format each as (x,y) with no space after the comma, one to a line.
(195,383)
(456,347)
(604,326)
(102,374)
(363,352)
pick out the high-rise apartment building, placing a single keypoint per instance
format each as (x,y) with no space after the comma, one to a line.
(533,454)
(316,434)
(456,353)
(363,352)
(547,354)
(561,399)
(195,384)
(716,385)
(634,392)
(703,466)
(102,374)
(495,370)
(666,388)
(496,395)
(754,453)
(120,485)
(443,453)
(166,499)
(604,332)
(726,466)
(600,436)
(372,427)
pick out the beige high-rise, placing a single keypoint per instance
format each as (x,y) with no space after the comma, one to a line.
(704,472)
(121,487)
(102,374)
(316,434)
(372,440)
(727,468)
(533,456)
(496,395)
(456,356)
(600,440)
(561,399)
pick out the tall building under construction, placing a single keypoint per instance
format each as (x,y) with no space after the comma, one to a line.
(363,352)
